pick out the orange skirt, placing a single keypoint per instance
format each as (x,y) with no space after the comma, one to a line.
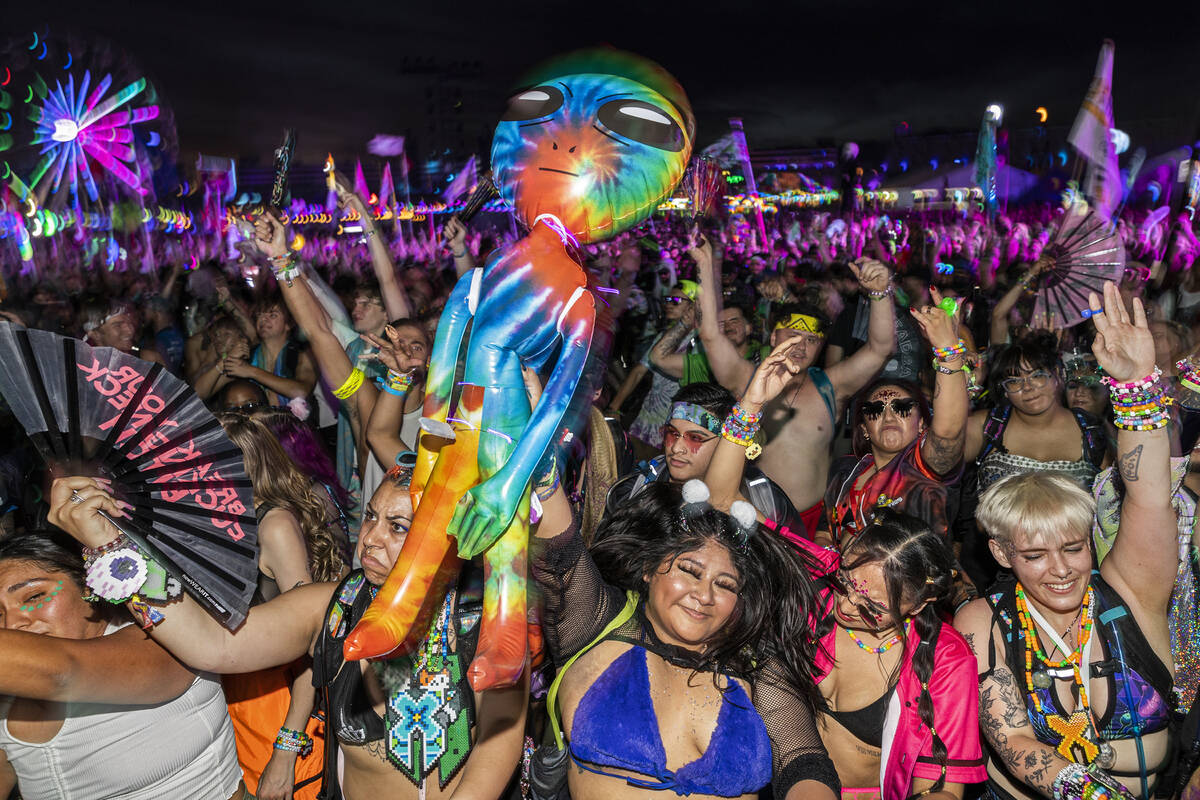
(258,704)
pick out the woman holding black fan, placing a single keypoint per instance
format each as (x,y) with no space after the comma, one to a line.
(97,709)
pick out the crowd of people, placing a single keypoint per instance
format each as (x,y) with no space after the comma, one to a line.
(846,518)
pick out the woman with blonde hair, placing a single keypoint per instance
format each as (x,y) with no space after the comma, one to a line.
(297,547)
(1075,674)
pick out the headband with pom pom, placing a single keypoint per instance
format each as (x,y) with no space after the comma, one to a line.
(746,518)
(695,500)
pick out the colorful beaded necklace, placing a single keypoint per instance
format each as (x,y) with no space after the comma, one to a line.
(883,648)
(1077,729)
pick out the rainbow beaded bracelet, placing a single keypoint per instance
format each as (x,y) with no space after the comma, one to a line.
(947,353)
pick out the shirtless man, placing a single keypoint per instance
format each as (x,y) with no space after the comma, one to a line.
(800,423)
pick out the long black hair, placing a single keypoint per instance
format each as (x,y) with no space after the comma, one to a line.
(776,596)
(53,551)
(917,568)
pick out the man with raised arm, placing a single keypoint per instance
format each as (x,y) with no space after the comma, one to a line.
(800,423)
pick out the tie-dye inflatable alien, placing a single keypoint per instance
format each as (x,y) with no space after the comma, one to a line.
(593,144)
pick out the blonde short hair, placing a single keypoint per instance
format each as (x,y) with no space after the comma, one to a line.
(1046,506)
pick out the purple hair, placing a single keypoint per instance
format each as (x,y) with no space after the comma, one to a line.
(303,446)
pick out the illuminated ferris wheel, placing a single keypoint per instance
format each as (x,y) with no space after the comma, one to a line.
(78,127)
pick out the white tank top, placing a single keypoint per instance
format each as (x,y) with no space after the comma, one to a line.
(183,749)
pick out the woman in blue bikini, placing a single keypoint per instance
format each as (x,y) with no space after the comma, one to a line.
(696,655)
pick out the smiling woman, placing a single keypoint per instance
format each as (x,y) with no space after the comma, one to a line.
(711,597)
(1074,662)
(1030,428)
(95,707)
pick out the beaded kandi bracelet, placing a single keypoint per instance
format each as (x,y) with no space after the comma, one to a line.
(294,742)
(947,353)
(397,383)
(740,427)
(1141,405)
(1189,374)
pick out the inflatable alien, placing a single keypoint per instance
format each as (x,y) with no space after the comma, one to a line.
(588,150)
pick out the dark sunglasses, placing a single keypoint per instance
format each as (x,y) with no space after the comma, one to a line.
(674,300)
(900,406)
(246,408)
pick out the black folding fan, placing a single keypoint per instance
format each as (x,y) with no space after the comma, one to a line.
(100,412)
(1086,251)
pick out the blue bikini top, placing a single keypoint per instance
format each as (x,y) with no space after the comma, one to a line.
(615,726)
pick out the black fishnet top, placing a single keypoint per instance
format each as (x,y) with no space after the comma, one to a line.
(578,604)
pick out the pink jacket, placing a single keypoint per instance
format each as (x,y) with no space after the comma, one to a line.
(954,687)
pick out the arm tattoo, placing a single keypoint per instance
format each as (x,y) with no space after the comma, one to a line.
(970,637)
(670,341)
(1001,710)
(943,453)
(1130,462)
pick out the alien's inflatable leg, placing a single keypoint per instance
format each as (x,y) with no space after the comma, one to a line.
(500,654)
(403,609)
(439,382)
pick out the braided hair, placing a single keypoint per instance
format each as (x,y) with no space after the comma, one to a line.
(918,570)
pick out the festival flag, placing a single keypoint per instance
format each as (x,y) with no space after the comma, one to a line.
(723,151)
(1091,138)
(360,181)
(462,183)
(985,160)
(738,132)
(387,190)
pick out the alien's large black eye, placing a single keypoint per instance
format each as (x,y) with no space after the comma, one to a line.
(642,122)
(540,101)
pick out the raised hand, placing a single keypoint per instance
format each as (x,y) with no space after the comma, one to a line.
(454,235)
(700,249)
(345,191)
(393,353)
(270,236)
(75,506)
(1124,346)
(940,329)
(872,275)
(774,373)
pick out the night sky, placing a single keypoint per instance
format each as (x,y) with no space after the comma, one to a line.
(237,74)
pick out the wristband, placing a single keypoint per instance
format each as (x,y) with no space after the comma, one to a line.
(544,493)
(285,268)
(458,255)
(352,385)
(397,383)
(881,294)
(937,365)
